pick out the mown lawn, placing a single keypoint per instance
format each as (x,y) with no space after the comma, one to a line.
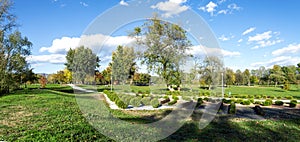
(268,91)
(48,115)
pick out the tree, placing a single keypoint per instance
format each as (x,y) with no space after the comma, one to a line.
(277,75)
(123,64)
(13,50)
(107,75)
(165,48)
(70,58)
(43,81)
(141,79)
(246,76)
(211,71)
(83,64)
(229,77)
(239,77)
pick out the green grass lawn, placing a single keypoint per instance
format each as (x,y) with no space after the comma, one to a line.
(53,115)
(268,91)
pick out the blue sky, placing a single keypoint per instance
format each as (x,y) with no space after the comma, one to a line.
(251,33)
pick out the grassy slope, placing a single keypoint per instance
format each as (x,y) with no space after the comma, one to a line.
(43,115)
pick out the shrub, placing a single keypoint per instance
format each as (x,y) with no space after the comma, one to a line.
(272,97)
(135,101)
(279,97)
(175,97)
(227,101)
(172,102)
(264,96)
(121,104)
(207,93)
(251,100)
(232,108)
(257,96)
(246,102)
(258,110)
(250,96)
(206,99)
(166,97)
(293,103)
(146,101)
(268,102)
(155,103)
(165,101)
(199,102)
(289,97)
(279,103)
(258,102)
(238,101)
(176,93)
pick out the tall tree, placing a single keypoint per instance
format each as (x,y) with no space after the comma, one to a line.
(165,48)
(239,77)
(229,77)
(211,71)
(14,48)
(246,76)
(277,74)
(83,64)
(123,64)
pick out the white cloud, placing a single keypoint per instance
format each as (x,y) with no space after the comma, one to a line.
(122,2)
(259,37)
(290,49)
(264,39)
(210,8)
(221,1)
(241,40)
(202,50)
(281,60)
(61,45)
(171,7)
(233,6)
(223,12)
(249,30)
(95,42)
(52,58)
(84,4)
(224,38)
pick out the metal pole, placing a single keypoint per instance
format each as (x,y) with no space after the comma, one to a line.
(222,84)
(111,83)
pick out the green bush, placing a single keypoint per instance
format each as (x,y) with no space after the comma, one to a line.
(146,101)
(140,92)
(227,101)
(258,96)
(199,102)
(258,102)
(206,99)
(155,103)
(289,97)
(264,96)
(238,101)
(251,100)
(272,97)
(172,102)
(232,108)
(293,103)
(250,96)
(279,103)
(268,102)
(174,97)
(166,97)
(136,101)
(279,97)
(121,104)
(246,102)
(258,110)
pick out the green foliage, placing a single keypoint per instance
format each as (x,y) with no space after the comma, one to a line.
(289,97)
(232,108)
(267,102)
(174,97)
(206,99)
(251,100)
(136,101)
(227,101)
(121,104)
(246,102)
(146,101)
(293,103)
(279,103)
(172,102)
(259,111)
(258,102)
(155,103)
(239,101)
(199,102)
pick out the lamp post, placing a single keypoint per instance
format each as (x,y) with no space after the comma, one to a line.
(222,84)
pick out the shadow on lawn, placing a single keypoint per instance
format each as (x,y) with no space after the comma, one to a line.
(278,124)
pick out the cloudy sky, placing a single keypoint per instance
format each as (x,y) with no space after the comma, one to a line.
(250,33)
